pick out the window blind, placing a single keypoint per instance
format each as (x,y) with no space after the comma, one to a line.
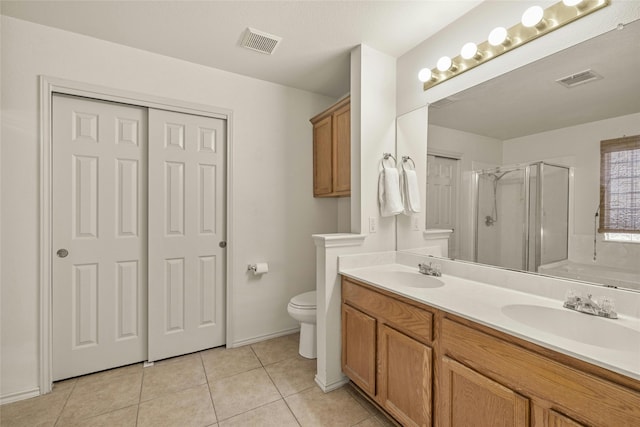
(620,185)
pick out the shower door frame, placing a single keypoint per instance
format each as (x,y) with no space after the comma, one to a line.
(526,234)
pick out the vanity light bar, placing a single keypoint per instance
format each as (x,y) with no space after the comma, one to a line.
(500,41)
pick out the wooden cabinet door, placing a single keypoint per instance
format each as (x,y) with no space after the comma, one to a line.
(342,151)
(359,348)
(556,419)
(468,399)
(322,157)
(404,377)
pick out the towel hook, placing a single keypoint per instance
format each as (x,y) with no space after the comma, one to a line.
(385,156)
(405,159)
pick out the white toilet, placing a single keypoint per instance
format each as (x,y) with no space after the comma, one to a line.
(303,308)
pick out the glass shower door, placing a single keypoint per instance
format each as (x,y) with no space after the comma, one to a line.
(501,218)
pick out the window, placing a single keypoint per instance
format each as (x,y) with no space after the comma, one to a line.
(620,189)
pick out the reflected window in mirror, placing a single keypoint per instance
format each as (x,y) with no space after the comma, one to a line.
(620,189)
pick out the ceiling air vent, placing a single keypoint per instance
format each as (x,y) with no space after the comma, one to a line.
(260,41)
(579,78)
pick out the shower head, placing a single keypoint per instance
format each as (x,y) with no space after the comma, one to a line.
(497,175)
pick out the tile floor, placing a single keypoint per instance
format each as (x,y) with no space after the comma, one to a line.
(264,384)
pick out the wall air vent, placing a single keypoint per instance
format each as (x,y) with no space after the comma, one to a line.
(260,41)
(579,78)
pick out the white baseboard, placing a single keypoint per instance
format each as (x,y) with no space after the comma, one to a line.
(333,386)
(263,337)
(20,395)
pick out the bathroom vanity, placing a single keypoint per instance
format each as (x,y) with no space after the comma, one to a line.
(449,351)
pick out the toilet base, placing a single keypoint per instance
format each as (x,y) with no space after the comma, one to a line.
(308,346)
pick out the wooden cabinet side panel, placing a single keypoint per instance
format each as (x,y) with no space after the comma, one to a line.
(580,395)
(404,377)
(342,150)
(359,348)
(409,319)
(469,398)
(322,157)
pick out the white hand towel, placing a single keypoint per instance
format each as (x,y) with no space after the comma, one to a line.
(410,192)
(389,192)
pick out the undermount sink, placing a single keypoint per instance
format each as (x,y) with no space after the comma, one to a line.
(579,327)
(409,279)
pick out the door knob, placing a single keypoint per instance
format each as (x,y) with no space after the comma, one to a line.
(62,253)
(222,244)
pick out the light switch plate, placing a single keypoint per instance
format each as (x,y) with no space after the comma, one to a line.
(415,223)
(373,224)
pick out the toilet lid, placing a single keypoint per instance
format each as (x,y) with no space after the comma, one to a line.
(305,300)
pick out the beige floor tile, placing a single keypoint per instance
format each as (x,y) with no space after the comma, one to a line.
(190,407)
(38,411)
(172,375)
(175,359)
(337,408)
(275,414)
(243,392)
(225,362)
(371,409)
(125,417)
(99,395)
(370,422)
(277,349)
(385,421)
(293,375)
(112,373)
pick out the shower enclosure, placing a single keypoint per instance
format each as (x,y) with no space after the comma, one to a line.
(521,215)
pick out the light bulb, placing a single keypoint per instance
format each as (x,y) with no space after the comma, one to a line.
(497,36)
(532,16)
(570,3)
(424,75)
(469,50)
(444,63)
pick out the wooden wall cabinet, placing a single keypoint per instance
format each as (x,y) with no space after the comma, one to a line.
(434,367)
(332,151)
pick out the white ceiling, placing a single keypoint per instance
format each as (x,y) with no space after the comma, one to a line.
(528,100)
(317,35)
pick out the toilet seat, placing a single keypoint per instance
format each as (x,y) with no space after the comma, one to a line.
(305,301)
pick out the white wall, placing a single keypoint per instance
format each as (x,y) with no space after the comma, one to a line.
(411,140)
(275,215)
(373,116)
(579,146)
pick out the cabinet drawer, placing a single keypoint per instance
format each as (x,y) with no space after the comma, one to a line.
(406,318)
(578,394)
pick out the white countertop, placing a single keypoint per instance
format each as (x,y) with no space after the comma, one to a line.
(608,343)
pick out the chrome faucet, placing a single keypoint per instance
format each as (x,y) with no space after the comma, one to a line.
(430,270)
(603,308)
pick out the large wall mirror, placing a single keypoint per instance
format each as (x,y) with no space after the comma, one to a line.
(513,163)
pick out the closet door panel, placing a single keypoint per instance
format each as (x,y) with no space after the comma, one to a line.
(187,200)
(99,211)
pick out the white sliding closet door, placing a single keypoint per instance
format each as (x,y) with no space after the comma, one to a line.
(186,227)
(99,218)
